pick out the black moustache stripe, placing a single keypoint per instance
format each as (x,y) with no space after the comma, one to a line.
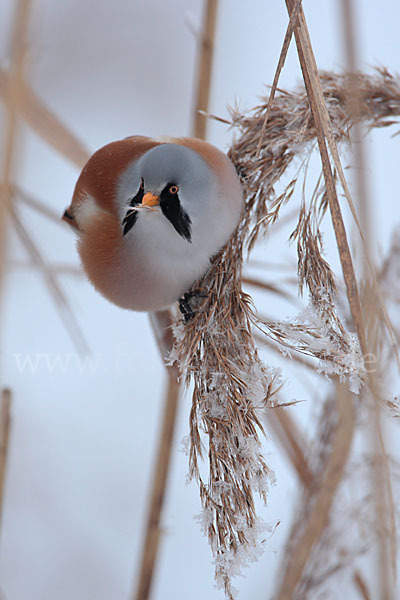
(172,209)
(129,221)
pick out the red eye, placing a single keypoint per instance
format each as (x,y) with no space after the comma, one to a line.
(173,189)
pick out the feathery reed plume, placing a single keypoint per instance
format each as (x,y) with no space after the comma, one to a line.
(216,348)
(289,134)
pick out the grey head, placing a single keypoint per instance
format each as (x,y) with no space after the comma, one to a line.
(181,180)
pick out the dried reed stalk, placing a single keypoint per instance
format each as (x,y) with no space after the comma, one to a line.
(317,519)
(45,122)
(361,586)
(13,94)
(290,133)
(324,132)
(38,205)
(292,441)
(326,138)
(153,528)
(216,348)
(204,71)
(60,300)
(282,58)
(20,99)
(316,506)
(12,97)
(5,425)
(380,477)
(54,268)
(161,323)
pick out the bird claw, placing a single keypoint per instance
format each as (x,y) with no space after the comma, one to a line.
(189,303)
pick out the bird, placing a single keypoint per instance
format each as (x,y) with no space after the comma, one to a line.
(150,214)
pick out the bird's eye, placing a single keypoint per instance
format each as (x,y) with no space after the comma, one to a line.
(141,186)
(173,189)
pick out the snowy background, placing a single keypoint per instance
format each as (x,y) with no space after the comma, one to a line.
(84,433)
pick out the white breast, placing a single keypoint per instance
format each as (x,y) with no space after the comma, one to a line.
(160,265)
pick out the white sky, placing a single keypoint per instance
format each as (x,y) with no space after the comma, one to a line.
(83,442)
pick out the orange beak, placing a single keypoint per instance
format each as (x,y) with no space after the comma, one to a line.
(150,199)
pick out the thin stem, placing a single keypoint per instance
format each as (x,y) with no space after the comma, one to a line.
(12,97)
(5,423)
(321,501)
(159,483)
(293,442)
(161,323)
(322,126)
(203,85)
(380,474)
(46,124)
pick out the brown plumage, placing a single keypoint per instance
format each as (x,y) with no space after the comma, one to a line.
(152,261)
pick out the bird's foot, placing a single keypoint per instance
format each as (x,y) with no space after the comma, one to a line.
(189,303)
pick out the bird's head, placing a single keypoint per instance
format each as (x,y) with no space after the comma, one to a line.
(171,180)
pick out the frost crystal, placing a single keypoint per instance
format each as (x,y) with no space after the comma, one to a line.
(317,331)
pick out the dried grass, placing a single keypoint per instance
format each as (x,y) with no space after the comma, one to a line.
(216,348)
(290,134)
